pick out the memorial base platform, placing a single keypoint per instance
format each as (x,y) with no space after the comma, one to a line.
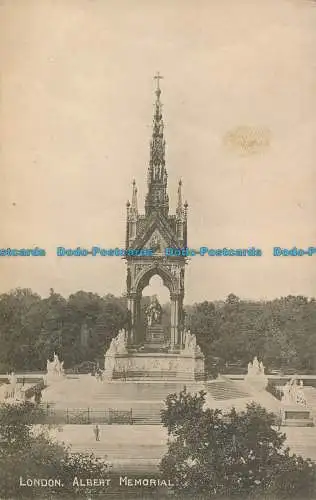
(158,366)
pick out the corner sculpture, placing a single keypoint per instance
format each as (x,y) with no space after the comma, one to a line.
(12,392)
(117,347)
(293,393)
(55,369)
(256,376)
(190,345)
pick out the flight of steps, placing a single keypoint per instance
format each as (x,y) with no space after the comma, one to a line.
(301,440)
(225,389)
(139,391)
(310,394)
(299,422)
(147,415)
(144,399)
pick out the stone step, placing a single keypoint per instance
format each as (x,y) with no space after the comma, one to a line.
(222,390)
(301,440)
(310,394)
(140,390)
(298,422)
(159,391)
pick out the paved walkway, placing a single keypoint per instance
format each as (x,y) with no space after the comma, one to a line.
(125,447)
(140,448)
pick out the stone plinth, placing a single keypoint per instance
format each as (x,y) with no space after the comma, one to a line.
(258,382)
(155,334)
(53,378)
(296,416)
(164,366)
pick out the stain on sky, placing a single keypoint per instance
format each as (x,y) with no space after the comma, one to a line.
(247,140)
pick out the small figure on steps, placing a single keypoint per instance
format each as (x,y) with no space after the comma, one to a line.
(96,431)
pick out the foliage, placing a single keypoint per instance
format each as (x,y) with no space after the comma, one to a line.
(34,455)
(203,322)
(234,455)
(77,328)
(280,332)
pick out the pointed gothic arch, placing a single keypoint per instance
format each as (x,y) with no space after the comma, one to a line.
(144,277)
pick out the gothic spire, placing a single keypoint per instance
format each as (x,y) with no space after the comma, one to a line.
(134,207)
(157,197)
(157,156)
(179,210)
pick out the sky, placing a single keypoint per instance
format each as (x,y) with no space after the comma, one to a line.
(238,99)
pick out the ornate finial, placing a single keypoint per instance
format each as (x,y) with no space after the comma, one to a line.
(185,208)
(158,77)
(134,208)
(179,210)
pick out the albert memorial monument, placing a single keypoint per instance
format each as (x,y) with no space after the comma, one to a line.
(151,352)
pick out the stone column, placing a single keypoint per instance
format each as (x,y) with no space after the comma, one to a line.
(131,305)
(174,320)
(180,320)
(137,329)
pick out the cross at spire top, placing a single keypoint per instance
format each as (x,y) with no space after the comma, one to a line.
(158,77)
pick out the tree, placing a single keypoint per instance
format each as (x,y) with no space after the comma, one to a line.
(232,299)
(17,332)
(33,455)
(32,329)
(280,332)
(202,321)
(211,454)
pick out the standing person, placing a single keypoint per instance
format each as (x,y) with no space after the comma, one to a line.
(280,420)
(37,396)
(96,431)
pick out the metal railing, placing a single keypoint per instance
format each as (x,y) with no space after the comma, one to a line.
(86,415)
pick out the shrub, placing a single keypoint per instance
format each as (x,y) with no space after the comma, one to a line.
(234,455)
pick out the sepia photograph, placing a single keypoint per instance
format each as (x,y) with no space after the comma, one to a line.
(158,249)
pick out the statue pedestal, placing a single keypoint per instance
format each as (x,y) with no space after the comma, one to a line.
(258,382)
(296,416)
(155,336)
(158,366)
(52,378)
